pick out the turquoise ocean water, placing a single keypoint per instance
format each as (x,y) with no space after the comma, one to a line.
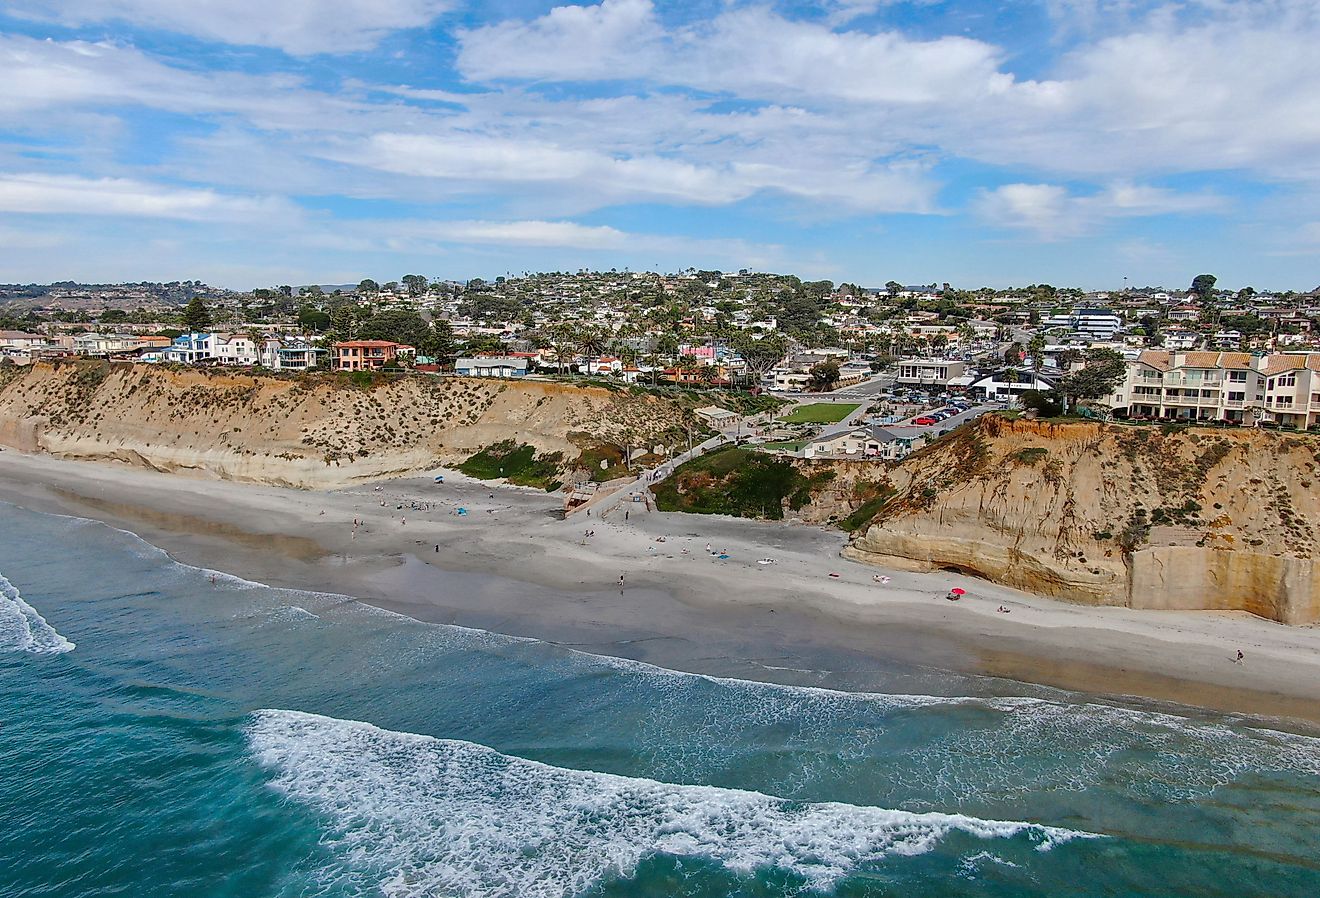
(164,735)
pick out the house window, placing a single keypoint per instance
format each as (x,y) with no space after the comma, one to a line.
(1237,397)
(1283,400)
(1286,380)
(1238,377)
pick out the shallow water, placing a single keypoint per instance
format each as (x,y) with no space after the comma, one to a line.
(164,734)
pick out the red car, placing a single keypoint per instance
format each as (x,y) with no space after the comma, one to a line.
(924,421)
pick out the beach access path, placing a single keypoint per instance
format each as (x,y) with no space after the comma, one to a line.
(514,564)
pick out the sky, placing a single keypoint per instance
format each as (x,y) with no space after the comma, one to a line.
(252,143)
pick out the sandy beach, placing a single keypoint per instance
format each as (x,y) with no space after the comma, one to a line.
(514,565)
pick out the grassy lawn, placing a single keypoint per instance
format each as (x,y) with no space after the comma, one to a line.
(820,413)
(791,446)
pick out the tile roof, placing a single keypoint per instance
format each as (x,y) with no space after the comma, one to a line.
(1280,363)
(1155,358)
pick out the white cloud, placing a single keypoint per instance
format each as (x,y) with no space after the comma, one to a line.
(71,195)
(617,39)
(1052,212)
(751,51)
(419,238)
(301,27)
(43,76)
(472,162)
(521,233)
(1203,86)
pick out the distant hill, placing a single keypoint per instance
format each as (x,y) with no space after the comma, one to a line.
(74,295)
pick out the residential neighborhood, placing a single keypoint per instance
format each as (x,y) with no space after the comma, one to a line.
(895,354)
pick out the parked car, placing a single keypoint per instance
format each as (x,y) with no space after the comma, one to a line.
(924,421)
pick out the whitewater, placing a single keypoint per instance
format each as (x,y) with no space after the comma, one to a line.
(212,735)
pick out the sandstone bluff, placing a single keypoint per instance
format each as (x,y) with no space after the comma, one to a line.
(310,431)
(1194,518)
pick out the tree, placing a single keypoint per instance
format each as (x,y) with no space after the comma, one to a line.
(1013,354)
(563,338)
(823,376)
(313,290)
(114,316)
(1045,405)
(368,286)
(760,355)
(592,346)
(416,284)
(196,317)
(312,319)
(343,323)
(442,343)
(1069,357)
(1103,370)
(1036,349)
(893,288)
(1203,285)
(397,326)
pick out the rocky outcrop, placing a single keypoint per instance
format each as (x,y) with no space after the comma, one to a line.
(1106,514)
(310,431)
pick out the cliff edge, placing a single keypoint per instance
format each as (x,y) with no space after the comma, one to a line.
(1179,518)
(310,430)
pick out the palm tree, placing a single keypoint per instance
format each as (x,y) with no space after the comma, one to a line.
(592,346)
(1036,349)
(562,340)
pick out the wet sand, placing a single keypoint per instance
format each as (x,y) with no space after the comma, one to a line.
(515,566)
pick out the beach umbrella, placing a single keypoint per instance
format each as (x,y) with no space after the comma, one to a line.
(958,592)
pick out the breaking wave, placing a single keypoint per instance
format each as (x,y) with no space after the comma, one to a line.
(22,629)
(416,816)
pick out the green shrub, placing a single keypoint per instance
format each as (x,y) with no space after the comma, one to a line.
(516,463)
(737,482)
(1030,455)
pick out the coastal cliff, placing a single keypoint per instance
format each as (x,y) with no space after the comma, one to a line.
(312,430)
(1181,518)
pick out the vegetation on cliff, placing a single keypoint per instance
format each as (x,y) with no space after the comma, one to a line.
(516,463)
(741,483)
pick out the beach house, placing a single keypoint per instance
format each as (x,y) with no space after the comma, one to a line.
(369,355)
(491,366)
(887,443)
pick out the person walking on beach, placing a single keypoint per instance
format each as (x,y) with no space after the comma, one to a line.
(621,583)
(1240,657)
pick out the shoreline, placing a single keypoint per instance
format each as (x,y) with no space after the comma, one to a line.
(514,566)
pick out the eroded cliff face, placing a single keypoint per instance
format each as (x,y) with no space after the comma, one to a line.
(313,431)
(1104,514)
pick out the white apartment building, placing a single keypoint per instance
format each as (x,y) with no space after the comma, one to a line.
(929,372)
(1092,324)
(238,349)
(1236,387)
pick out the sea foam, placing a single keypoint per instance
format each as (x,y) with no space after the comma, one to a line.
(22,629)
(415,815)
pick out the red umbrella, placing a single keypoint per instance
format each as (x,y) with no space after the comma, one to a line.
(958,592)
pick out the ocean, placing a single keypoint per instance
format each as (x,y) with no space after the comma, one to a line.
(166,730)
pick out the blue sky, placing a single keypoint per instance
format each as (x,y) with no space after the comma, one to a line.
(251,142)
